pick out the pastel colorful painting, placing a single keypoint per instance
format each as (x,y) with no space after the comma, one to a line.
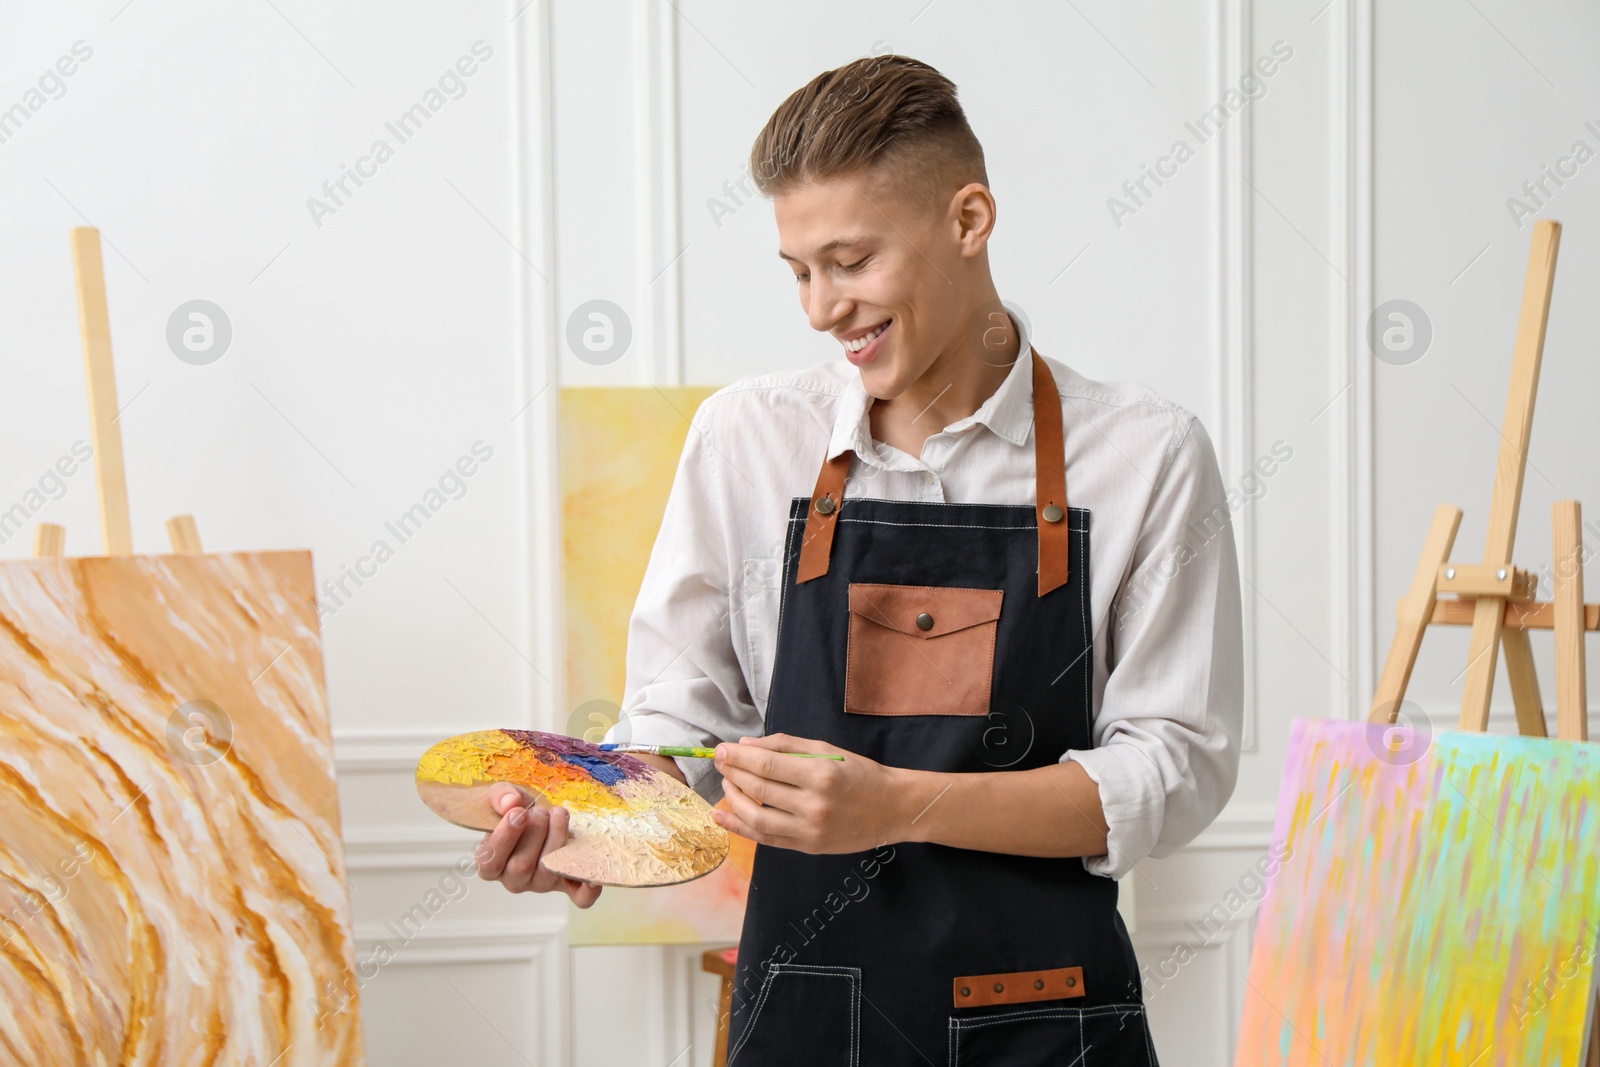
(1437,902)
(618,451)
(631,824)
(172,884)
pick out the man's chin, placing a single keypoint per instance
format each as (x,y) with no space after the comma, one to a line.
(881,383)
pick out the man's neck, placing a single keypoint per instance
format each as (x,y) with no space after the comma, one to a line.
(955,386)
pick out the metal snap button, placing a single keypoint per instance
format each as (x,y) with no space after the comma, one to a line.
(965,991)
(1053,513)
(1071,982)
(924,621)
(1038,983)
(998,988)
(824,505)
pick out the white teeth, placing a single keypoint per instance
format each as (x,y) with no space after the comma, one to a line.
(862,342)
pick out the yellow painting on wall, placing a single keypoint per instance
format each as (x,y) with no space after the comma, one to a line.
(619,450)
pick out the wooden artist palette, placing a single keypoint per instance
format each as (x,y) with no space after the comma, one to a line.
(631,824)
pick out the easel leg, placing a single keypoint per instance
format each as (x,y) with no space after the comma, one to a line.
(1414,614)
(1524,681)
(1515,430)
(95,325)
(1488,615)
(1572,707)
(184,534)
(49,539)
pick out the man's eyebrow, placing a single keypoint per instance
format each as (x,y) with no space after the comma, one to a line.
(836,243)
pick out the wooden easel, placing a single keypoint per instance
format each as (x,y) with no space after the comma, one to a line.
(1495,597)
(94,322)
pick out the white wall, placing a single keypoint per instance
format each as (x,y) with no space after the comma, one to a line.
(426,312)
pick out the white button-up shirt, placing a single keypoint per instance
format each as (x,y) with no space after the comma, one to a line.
(1164,581)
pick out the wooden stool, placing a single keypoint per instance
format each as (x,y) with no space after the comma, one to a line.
(721,961)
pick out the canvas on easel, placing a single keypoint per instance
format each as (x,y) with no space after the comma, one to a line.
(172,877)
(1438,901)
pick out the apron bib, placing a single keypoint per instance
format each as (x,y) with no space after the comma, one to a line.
(940,637)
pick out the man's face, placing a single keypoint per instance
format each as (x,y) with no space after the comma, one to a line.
(867,263)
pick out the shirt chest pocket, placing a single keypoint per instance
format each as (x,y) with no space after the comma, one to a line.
(920,649)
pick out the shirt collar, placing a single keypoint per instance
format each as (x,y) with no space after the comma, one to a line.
(1008,411)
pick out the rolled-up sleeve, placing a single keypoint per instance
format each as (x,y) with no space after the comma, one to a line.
(1168,730)
(683,684)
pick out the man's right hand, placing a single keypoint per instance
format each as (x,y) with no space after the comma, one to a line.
(512,853)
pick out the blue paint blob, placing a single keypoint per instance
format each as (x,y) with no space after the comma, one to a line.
(599,769)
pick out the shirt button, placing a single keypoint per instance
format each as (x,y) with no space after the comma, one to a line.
(927,477)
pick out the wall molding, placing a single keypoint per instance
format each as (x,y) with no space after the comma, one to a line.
(537,338)
(1233,384)
(385,751)
(1240,827)
(532,940)
(415,847)
(1353,576)
(659,223)
(538,943)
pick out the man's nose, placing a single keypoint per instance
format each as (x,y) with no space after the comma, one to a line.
(824,309)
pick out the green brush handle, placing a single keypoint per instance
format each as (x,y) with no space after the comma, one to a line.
(710,753)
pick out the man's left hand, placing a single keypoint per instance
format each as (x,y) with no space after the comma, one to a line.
(811,805)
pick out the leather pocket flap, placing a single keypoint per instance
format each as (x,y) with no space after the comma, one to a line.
(942,609)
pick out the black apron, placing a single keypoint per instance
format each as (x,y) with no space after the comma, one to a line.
(942,637)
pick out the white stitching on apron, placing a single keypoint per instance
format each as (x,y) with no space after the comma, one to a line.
(1088,636)
(956,1025)
(825,970)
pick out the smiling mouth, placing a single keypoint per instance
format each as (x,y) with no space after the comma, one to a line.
(866,339)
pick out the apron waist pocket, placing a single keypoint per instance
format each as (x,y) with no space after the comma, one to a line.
(806,1015)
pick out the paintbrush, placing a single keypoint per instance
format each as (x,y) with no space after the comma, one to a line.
(696,753)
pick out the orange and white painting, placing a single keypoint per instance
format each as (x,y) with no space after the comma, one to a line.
(172,886)
(619,450)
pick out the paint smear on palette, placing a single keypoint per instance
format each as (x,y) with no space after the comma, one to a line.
(630,823)
(1435,901)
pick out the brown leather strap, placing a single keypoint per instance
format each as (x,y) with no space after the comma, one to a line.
(1050,492)
(818,542)
(1050,479)
(1017,987)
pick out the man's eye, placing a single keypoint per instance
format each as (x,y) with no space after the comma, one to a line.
(857,265)
(798,278)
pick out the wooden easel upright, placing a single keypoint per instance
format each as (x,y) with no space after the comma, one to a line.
(1495,597)
(94,322)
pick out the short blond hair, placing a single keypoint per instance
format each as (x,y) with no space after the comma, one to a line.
(887,111)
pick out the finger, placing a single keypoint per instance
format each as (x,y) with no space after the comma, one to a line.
(730,820)
(765,791)
(582,893)
(735,825)
(502,795)
(741,820)
(772,824)
(790,743)
(521,831)
(522,869)
(768,763)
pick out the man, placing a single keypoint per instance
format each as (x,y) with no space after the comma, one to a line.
(1005,593)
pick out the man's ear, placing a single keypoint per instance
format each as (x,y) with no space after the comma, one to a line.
(973,209)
